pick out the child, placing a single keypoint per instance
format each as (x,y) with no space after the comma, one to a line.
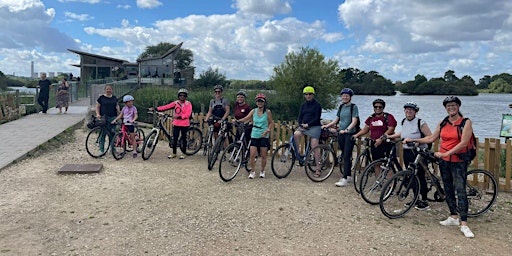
(129,115)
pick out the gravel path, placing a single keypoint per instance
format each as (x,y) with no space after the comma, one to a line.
(177,207)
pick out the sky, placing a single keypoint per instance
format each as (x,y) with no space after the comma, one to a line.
(246,39)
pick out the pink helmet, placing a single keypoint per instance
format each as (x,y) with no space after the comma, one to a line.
(261,96)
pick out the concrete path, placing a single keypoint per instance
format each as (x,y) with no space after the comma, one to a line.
(21,136)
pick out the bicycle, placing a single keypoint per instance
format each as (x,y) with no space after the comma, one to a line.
(121,142)
(209,140)
(194,137)
(362,161)
(401,192)
(99,137)
(377,173)
(235,155)
(225,132)
(284,157)
(327,148)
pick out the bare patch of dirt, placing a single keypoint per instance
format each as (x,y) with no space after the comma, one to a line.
(178,207)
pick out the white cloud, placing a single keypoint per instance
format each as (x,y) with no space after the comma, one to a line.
(263,7)
(124,6)
(148,4)
(82,1)
(80,17)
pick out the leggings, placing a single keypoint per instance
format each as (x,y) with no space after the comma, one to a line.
(176,130)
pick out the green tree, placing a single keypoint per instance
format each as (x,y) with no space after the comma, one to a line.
(484,82)
(500,86)
(306,67)
(210,78)
(184,58)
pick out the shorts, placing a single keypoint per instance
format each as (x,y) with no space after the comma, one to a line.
(313,131)
(260,142)
(381,151)
(130,128)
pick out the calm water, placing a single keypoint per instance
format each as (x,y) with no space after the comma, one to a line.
(485,110)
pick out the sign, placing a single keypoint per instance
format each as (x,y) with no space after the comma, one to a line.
(506,126)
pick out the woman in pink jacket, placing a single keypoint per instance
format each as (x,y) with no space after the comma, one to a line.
(181,122)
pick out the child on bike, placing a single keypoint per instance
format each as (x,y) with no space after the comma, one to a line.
(129,115)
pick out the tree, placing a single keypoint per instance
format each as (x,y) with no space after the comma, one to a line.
(484,82)
(500,86)
(184,58)
(210,78)
(306,67)
(449,76)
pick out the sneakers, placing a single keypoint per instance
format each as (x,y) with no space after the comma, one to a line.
(467,232)
(172,156)
(134,155)
(343,181)
(251,174)
(182,157)
(422,205)
(262,174)
(451,222)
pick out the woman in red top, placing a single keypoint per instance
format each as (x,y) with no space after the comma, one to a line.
(453,169)
(242,109)
(181,122)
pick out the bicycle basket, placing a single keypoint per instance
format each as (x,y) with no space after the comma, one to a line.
(327,133)
(91,124)
(102,121)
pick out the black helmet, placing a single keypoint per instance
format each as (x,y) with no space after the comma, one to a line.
(451,99)
(381,101)
(241,92)
(347,91)
(413,105)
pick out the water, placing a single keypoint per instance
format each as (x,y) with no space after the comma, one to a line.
(25,90)
(485,110)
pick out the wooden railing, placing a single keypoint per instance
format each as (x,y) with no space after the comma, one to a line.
(490,153)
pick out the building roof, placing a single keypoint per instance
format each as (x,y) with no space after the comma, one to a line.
(97,56)
(170,51)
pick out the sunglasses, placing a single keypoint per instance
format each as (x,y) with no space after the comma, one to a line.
(260,101)
(182,95)
(307,94)
(378,107)
(217,91)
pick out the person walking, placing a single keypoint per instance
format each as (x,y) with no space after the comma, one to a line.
(414,128)
(453,168)
(63,96)
(181,122)
(346,118)
(263,123)
(44,92)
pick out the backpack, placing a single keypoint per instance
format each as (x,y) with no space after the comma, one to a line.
(470,153)
(429,145)
(358,123)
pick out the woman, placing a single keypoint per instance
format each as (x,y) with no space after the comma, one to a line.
(347,117)
(262,120)
(242,109)
(453,169)
(107,106)
(181,122)
(63,96)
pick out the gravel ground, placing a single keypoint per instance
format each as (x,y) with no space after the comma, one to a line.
(178,207)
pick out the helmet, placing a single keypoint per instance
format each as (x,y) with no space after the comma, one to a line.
(412,104)
(309,89)
(127,98)
(451,99)
(381,101)
(182,90)
(261,96)
(241,93)
(218,87)
(347,91)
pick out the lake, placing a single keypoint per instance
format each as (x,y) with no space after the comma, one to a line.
(485,110)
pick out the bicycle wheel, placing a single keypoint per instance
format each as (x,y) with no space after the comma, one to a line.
(118,146)
(97,142)
(215,152)
(373,178)
(194,141)
(399,194)
(325,164)
(230,162)
(139,139)
(282,161)
(149,145)
(362,161)
(482,190)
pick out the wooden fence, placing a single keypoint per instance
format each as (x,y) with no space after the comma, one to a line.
(492,155)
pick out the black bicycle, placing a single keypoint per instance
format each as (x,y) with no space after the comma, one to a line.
(98,140)
(400,193)
(194,137)
(225,132)
(364,158)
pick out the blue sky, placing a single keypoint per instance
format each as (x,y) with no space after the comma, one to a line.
(245,39)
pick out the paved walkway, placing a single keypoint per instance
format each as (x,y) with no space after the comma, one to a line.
(21,136)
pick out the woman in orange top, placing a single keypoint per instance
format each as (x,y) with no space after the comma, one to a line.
(453,169)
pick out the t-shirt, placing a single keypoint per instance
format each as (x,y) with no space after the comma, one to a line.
(219,107)
(241,111)
(128,114)
(44,87)
(260,124)
(108,106)
(378,126)
(345,118)
(410,130)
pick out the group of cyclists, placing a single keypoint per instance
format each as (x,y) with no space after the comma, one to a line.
(380,125)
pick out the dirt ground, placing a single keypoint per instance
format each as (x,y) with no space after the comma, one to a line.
(178,207)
